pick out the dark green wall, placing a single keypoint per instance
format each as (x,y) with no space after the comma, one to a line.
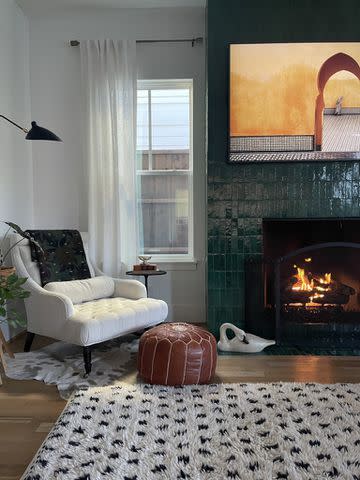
(240,196)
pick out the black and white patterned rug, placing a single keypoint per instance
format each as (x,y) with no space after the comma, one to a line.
(230,431)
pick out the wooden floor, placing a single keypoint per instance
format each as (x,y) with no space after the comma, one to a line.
(341,133)
(28,409)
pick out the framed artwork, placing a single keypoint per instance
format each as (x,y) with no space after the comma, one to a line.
(294,102)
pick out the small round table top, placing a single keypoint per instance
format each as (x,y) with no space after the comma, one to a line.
(146,272)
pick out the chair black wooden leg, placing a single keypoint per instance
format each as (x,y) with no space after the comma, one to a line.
(87,359)
(28,341)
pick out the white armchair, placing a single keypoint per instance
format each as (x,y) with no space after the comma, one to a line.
(125,310)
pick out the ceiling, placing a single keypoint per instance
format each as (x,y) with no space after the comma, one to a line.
(41,5)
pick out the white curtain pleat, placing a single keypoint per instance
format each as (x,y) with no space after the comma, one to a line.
(109,84)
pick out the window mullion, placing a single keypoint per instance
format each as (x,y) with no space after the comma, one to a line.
(150,131)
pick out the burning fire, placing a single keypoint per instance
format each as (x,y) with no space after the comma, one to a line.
(305,282)
(312,290)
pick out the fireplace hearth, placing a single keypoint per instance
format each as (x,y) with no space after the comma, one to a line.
(306,287)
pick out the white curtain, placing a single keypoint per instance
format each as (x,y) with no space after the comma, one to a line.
(109,84)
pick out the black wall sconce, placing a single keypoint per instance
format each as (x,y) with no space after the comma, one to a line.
(36,132)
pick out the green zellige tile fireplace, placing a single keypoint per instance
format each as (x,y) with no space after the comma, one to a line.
(242,196)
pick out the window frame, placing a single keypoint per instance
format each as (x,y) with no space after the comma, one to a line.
(170,84)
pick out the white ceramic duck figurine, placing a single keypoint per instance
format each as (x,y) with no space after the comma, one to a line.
(242,342)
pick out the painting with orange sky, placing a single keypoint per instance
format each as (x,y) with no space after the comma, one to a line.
(273,87)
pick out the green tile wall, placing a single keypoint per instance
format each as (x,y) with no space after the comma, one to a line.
(240,196)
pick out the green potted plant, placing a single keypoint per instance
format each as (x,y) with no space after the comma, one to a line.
(6,271)
(11,286)
(11,289)
(10,283)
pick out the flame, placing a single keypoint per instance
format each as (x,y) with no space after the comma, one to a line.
(326,279)
(312,297)
(305,283)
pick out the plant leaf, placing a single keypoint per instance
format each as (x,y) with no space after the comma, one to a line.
(27,235)
(12,279)
(11,289)
(24,294)
(21,281)
(18,229)
(16,320)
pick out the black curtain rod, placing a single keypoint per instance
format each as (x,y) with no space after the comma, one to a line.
(193,41)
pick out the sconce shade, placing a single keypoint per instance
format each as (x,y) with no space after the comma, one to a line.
(40,133)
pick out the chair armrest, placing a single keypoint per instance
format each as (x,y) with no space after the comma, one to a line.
(46,311)
(132,289)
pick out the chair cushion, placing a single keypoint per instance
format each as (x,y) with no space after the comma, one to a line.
(107,318)
(80,291)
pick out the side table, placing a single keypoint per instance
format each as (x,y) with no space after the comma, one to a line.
(146,274)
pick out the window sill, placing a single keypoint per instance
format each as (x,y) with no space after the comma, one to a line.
(175,264)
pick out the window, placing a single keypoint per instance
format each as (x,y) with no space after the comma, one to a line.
(164,168)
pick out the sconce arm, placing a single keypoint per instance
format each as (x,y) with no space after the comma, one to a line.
(16,125)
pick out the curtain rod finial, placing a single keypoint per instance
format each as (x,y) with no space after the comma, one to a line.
(74,43)
(197,40)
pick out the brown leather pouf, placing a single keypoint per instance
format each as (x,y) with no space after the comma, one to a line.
(177,354)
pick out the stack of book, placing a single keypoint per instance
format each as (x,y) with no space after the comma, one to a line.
(144,266)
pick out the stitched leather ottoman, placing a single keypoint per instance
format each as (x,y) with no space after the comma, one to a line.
(177,354)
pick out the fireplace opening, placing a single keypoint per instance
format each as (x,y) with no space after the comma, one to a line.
(318,286)
(308,283)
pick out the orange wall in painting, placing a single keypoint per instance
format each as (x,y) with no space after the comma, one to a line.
(348,87)
(273,86)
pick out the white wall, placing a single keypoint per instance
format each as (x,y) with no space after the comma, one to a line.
(16,202)
(15,156)
(60,193)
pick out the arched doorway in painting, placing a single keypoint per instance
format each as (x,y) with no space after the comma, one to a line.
(334,64)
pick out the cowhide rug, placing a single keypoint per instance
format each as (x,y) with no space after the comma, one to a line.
(62,364)
(215,432)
